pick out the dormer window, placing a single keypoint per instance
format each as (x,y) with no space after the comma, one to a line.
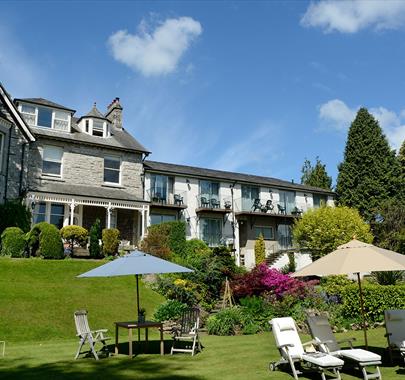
(94,123)
(98,128)
(45,117)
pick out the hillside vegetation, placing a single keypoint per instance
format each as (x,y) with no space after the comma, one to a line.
(38,298)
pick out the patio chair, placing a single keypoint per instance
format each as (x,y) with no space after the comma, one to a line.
(322,333)
(187,332)
(395,331)
(281,209)
(257,205)
(205,202)
(215,203)
(292,351)
(85,334)
(178,199)
(269,206)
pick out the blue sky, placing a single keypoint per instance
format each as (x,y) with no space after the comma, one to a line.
(254,87)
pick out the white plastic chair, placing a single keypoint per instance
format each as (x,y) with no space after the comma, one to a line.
(85,334)
(292,351)
(395,327)
(322,333)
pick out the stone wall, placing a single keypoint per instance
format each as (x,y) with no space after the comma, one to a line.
(14,162)
(84,165)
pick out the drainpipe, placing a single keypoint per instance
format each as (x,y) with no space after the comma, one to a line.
(22,168)
(8,164)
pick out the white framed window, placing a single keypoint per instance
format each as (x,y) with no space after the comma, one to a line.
(98,128)
(52,161)
(39,214)
(266,231)
(29,114)
(112,170)
(44,117)
(61,121)
(53,213)
(211,231)
(2,150)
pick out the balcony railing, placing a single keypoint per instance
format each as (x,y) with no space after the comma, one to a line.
(213,202)
(267,206)
(167,199)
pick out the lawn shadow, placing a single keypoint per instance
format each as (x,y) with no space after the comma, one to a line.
(151,347)
(88,368)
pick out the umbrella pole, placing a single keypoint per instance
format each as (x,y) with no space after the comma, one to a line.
(362,311)
(137,294)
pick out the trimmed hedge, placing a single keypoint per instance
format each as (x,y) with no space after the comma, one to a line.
(74,235)
(111,241)
(377,299)
(12,242)
(45,240)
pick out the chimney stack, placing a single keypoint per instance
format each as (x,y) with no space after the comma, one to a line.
(114,113)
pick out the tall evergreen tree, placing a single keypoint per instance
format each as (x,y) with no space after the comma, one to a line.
(315,175)
(370,172)
(401,158)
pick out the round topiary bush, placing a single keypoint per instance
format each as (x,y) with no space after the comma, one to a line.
(45,240)
(111,241)
(74,235)
(12,242)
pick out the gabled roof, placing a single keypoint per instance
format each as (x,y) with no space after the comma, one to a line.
(192,171)
(45,102)
(19,121)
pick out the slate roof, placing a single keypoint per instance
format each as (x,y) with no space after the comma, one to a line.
(120,138)
(108,193)
(44,102)
(193,171)
(95,113)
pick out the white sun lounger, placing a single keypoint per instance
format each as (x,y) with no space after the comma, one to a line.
(322,333)
(395,326)
(292,351)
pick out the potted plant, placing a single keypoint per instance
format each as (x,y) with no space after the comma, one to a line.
(141,315)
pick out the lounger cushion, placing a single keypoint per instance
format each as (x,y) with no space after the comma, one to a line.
(323,360)
(359,355)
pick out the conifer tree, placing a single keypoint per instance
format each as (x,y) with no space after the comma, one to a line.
(315,175)
(370,172)
(260,250)
(401,158)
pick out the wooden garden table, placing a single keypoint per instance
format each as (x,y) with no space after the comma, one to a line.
(138,325)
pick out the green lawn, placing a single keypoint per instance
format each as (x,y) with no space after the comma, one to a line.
(36,319)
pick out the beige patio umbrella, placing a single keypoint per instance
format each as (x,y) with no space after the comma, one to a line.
(355,257)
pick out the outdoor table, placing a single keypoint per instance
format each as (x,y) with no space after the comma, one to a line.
(138,325)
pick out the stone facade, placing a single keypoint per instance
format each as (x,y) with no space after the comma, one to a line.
(13,171)
(84,165)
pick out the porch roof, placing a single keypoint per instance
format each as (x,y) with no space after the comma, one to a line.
(106,193)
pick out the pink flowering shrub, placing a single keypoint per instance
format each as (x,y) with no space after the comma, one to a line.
(264,280)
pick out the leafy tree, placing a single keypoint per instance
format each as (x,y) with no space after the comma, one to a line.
(260,250)
(315,175)
(111,241)
(14,214)
(370,172)
(401,157)
(389,226)
(322,230)
(95,236)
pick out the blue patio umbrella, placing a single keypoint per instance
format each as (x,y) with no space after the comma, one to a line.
(135,263)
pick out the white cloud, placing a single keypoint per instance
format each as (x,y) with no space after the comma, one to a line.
(350,16)
(158,52)
(335,114)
